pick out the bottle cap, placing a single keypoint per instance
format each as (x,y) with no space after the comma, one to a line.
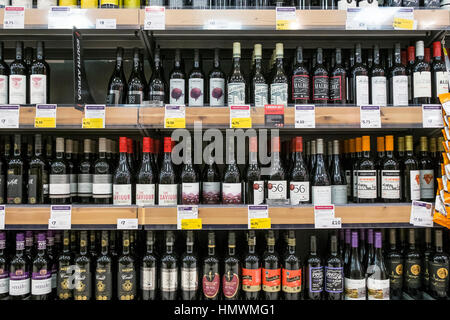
(352,145)
(275,144)
(432,144)
(437,49)
(319,146)
(146,145)
(409,143)
(392,236)
(20,237)
(389,140)
(87,146)
(236,49)
(102,145)
(380,144)
(347,235)
(427,55)
(313,147)
(59,144)
(253,142)
(370,236)
(335,146)
(401,143)
(420,49)
(411,53)
(354,239)
(423,144)
(366,143)
(440,144)
(378,241)
(257,51)
(358,144)
(279,50)
(123,144)
(151,144)
(129,145)
(298,144)
(167,144)
(346,146)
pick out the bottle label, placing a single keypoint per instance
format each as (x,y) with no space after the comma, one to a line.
(83,282)
(422,84)
(145,194)
(38,88)
(427,184)
(261,94)
(216,92)
(355,289)
(400,90)
(157,96)
(189,279)
(84,185)
(122,194)
(126,283)
(19,283)
(271,280)
(379,91)
(41,282)
(230,285)
(33,186)
(441,82)
(292,280)
(413,274)
(73,184)
(102,186)
(45,179)
(362,90)
(336,92)
(17,89)
(231,193)
(114,97)
(4,282)
(114,3)
(196,91)
(3,89)
(103,283)
(211,192)
(348,179)
(14,190)
(236,93)
(251,280)
(63,279)
(367,184)
(190,193)
(211,286)
(135,97)
(59,186)
(320,88)
(177,91)
(169,279)
(377,289)
(148,279)
(315,279)
(300,87)
(339,194)
(439,277)
(334,279)
(279,93)
(168,195)
(258,192)
(414,178)
(390,184)
(28,4)
(395,267)
(277,189)
(321,195)
(299,192)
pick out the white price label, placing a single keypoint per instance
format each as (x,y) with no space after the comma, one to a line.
(222,24)
(59,18)
(432,116)
(155,18)
(60,217)
(324,217)
(370,117)
(127,224)
(105,24)
(286,18)
(257,212)
(94,116)
(330,223)
(186,212)
(305,116)
(45,116)
(2,217)
(355,20)
(421,214)
(240,116)
(14,17)
(404,19)
(174,116)
(9,116)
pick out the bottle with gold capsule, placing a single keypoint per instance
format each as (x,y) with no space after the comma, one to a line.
(411,173)
(88,4)
(67,3)
(65,261)
(83,270)
(367,175)
(103,271)
(109,4)
(426,172)
(126,271)
(131,4)
(390,180)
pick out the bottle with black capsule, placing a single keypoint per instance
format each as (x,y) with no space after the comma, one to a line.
(126,271)
(231,280)
(104,271)
(292,277)
(439,266)
(117,86)
(251,270)
(271,270)
(334,273)
(189,270)
(210,275)
(314,272)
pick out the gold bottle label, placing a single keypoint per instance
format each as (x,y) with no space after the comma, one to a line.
(89,4)
(67,3)
(131,4)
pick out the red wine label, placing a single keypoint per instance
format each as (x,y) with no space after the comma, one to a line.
(211,192)
(367,184)
(41,282)
(190,193)
(145,194)
(299,192)
(217,92)
(379,91)
(258,192)
(276,189)
(167,195)
(211,286)
(414,178)
(177,91)
(362,90)
(196,86)
(377,289)
(300,87)
(4,281)
(320,87)
(421,84)
(271,280)
(426,184)
(336,92)
(19,283)
(38,88)
(400,90)
(390,184)
(292,280)
(230,285)
(441,83)
(3,89)
(439,277)
(251,279)
(355,289)
(17,89)
(122,194)
(231,193)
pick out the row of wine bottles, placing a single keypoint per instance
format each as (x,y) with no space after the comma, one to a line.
(350,268)
(379,80)
(224,4)
(350,172)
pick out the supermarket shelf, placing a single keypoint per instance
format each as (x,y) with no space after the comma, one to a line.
(235,217)
(83,217)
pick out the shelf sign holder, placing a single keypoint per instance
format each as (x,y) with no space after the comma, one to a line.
(14,17)
(155,18)
(258,217)
(94,116)
(240,117)
(286,18)
(45,116)
(9,116)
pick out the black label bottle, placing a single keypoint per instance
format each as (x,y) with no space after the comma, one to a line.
(334,273)
(413,269)
(149,262)
(64,288)
(19,272)
(338,85)
(189,270)
(320,81)
(126,271)
(300,80)
(4,267)
(117,87)
(439,267)
(102,176)
(83,271)
(169,270)
(426,255)
(394,260)
(104,271)
(314,272)
(16,184)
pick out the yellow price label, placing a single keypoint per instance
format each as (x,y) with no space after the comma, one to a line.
(283,25)
(191,224)
(260,223)
(93,123)
(178,123)
(241,123)
(45,122)
(402,23)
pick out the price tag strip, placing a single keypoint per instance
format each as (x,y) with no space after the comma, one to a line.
(355,20)
(127,224)
(60,217)
(274,115)
(432,116)
(45,116)
(94,116)
(324,217)
(305,116)
(59,18)
(421,214)
(240,117)
(370,117)
(14,17)
(155,18)
(105,24)
(2,217)
(286,19)
(186,214)
(174,116)
(258,217)
(9,116)
(222,24)
(404,19)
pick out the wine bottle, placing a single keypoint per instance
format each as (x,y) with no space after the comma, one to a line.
(19,272)
(59,190)
(279,85)
(251,270)
(4,74)
(16,175)
(413,269)
(29,246)
(378,83)
(320,81)
(321,184)
(355,281)
(338,178)
(277,181)
(4,267)
(395,268)
(137,86)
(109,4)
(51,255)
(85,174)
(104,271)
(440,75)
(421,77)
(359,80)
(314,272)
(377,276)
(149,280)
(65,261)
(189,270)
(146,177)
(292,280)
(168,180)
(211,182)
(231,179)
(37,173)
(254,185)
(381,153)
(370,252)
(271,270)
(41,279)
(18,78)
(130,155)
(236,81)
(157,86)
(411,173)
(216,83)
(210,277)
(196,83)
(190,184)
(367,175)
(260,91)
(427,253)
(39,77)
(334,272)
(231,280)
(72,169)
(169,270)
(312,157)
(439,266)
(338,85)
(122,179)
(426,170)
(398,80)
(83,270)
(117,86)
(177,82)
(102,176)
(299,187)
(126,271)
(348,247)
(390,174)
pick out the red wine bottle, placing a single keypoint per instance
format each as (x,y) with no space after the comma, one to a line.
(102,177)
(83,270)
(117,87)
(231,180)
(4,267)
(334,273)
(277,181)
(149,280)
(251,270)
(189,270)
(378,80)
(299,187)
(39,77)
(4,75)
(320,80)
(376,274)
(122,179)
(216,83)
(421,77)
(196,83)
(137,86)
(355,281)
(190,184)
(440,75)
(85,174)
(168,180)
(211,182)
(146,177)
(177,82)
(169,270)
(338,85)
(18,78)
(413,269)
(254,185)
(157,85)
(126,271)
(271,270)
(398,86)
(439,267)
(395,267)
(359,80)
(19,272)
(211,277)
(104,271)
(300,80)
(292,276)
(231,280)
(314,272)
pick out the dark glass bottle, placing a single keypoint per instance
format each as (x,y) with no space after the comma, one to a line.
(251,270)
(231,180)
(64,289)
(117,86)
(4,75)
(41,279)
(37,173)
(216,83)
(196,83)
(378,81)
(39,77)
(320,81)
(137,86)
(292,277)
(168,179)
(85,174)
(300,80)
(359,80)
(348,247)
(411,173)
(211,182)
(338,85)
(413,269)
(149,281)
(370,252)
(72,170)
(377,275)
(210,276)
(321,183)
(4,267)
(177,85)
(169,270)
(259,92)
(271,270)
(236,86)
(312,157)
(83,270)
(122,178)
(355,281)
(189,270)
(398,86)
(277,180)
(19,272)
(314,272)
(390,174)
(439,77)
(231,280)
(59,190)
(334,273)
(157,86)
(427,253)
(146,177)
(426,170)
(16,175)
(338,178)
(18,78)
(299,187)
(279,85)
(421,77)
(126,271)
(394,260)
(367,175)
(102,176)
(254,185)
(190,182)
(439,266)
